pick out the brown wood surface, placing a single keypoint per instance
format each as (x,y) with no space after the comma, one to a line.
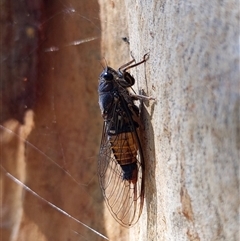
(59,159)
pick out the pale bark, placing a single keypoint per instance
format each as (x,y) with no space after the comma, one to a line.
(191,139)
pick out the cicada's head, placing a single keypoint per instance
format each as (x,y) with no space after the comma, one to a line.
(107,90)
(107,80)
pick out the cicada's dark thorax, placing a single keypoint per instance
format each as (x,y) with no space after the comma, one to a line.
(118,111)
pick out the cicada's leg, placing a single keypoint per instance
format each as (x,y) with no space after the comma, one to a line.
(142,97)
(124,67)
(121,69)
(145,58)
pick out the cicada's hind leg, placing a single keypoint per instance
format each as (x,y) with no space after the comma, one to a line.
(142,97)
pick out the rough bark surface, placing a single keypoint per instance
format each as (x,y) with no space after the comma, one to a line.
(191,139)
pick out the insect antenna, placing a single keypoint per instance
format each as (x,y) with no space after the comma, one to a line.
(104,64)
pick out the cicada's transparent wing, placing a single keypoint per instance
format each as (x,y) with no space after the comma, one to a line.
(124,197)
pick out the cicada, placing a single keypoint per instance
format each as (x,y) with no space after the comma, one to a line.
(121,162)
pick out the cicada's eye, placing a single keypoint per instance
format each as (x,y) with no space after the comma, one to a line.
(108,76)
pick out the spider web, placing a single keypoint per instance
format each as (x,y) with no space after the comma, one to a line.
(58,148)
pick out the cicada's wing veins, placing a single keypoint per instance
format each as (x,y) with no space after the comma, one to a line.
(124,196)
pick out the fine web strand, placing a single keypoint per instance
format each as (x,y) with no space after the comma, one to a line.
(17,181)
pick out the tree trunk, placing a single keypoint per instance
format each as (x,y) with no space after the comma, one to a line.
(191,139)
